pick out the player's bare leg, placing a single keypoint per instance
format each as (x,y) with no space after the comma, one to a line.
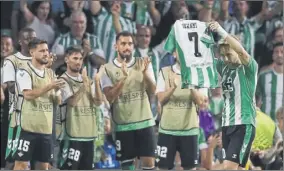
(148,163)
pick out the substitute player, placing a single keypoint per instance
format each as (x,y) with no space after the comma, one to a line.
(11,65)
(36,85)
(126,83)
(80,112)
(179,126)
(239,76)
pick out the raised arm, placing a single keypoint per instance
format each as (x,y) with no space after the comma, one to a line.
(233,42)
(29,16)
(165,92)
(113,91)
(154,13)
(95,7)
(25,85)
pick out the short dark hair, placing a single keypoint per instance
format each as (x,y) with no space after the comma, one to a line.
(124,34)
(73,49)
(26,30)
(6,36)
(35,42)
(277,44)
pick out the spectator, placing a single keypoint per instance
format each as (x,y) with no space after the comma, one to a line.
(63,20)
(7,48)
(267,139)
(108,24)
(240,25)
(39,19)
(178,10)
(77,36)
(270,84)
(277,37)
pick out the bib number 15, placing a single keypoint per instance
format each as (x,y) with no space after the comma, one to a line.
(194,35)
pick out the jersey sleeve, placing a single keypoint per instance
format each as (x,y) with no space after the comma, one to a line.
(219,65)
(251,68)
(106,81)
(170,44)
(24,80)
(161,85)
(66,92)
(9,71)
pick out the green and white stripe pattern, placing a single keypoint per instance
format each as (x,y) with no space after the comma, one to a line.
(67,40)
(106,32)
(195,70)
(246,30)
(270,89)
(142,16)
(239,86)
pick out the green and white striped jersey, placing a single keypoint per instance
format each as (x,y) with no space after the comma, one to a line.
(137,11)
(246,30)
(239,86)
(193,43)
(106,31)
(270,89)
(66,40)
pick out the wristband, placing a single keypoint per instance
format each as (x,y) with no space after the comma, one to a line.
(222,32)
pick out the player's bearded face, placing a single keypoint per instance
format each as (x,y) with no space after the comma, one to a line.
(74,62)
(278,55)
(41,54)
(125,47)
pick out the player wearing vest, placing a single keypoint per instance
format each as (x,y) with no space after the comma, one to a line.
(79,113)
(36,86)
(126,83)
(11,65)
(238,71)
(270,83)
(179,126)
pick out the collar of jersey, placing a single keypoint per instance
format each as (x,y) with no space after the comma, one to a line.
(129,64)
(21,56)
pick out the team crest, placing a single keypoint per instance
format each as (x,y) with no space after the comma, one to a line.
(117,74)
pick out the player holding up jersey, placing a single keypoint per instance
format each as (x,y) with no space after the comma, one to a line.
(36,85)
(179,126)
(79,113)
(239,77)
(126,83)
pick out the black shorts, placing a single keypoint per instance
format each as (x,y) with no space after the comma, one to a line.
(10,144)
(76,155)
(167,147)
(33,146)
(135,143)
(237,141)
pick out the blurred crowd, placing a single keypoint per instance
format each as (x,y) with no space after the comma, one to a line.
(94,25)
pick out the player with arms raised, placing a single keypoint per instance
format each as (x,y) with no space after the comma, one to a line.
(239,77)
